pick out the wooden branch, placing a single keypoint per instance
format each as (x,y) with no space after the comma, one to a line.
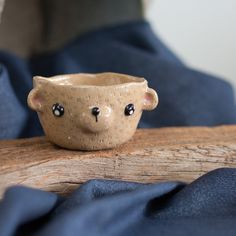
(152,155)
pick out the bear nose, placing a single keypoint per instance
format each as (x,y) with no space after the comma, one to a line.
(95,112)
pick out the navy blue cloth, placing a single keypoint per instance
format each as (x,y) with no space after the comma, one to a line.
(113,208)
(187,97)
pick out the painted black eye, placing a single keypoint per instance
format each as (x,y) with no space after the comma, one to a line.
(57,110)
(129,109)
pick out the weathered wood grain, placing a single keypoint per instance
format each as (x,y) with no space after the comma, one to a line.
(152,155)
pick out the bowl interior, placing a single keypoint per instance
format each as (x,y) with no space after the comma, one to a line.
(103,79)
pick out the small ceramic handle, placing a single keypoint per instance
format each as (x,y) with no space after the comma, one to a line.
(34,100)
(150,99)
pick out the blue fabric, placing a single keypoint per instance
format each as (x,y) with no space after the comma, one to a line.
(112,208)
(187,97)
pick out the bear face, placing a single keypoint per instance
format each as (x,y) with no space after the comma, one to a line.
(91,112)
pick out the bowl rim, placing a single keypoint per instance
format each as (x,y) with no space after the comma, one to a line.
(65,80)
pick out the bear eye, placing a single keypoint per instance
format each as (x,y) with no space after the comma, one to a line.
(129,109)
(57,110)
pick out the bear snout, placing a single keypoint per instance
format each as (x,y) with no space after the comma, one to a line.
(99,119)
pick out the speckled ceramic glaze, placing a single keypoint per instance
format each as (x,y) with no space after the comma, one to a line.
(90,111)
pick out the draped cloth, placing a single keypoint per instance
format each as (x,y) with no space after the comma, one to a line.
(207,206)
(187,97)
(101,207)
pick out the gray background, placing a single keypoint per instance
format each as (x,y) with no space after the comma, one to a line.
(202,32)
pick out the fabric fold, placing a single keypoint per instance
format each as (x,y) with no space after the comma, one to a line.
(13,115)
(187,97)
(117,208)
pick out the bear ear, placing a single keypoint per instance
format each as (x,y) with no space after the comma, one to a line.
(150,99)
(36,98)
(39,80)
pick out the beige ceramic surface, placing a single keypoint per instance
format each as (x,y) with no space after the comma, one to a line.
(78,94)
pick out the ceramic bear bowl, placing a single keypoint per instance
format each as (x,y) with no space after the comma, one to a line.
(90,111)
